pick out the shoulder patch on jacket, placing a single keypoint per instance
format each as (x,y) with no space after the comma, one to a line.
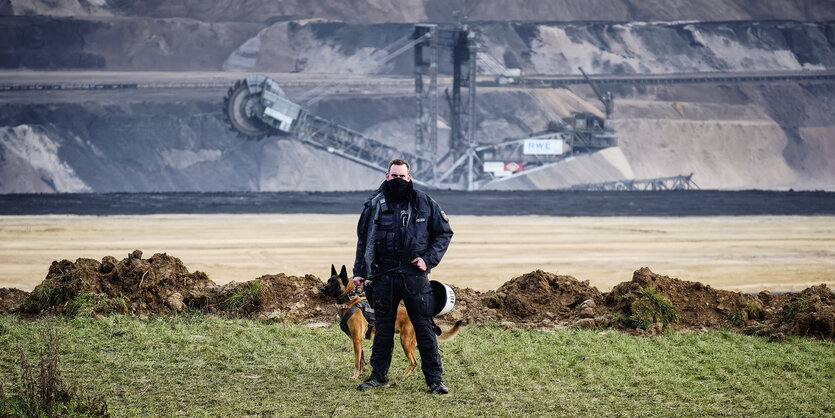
(443,215)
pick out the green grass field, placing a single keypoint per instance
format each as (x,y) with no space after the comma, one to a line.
(194,365)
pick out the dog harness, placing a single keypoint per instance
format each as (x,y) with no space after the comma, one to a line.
(367,312)
(361,306)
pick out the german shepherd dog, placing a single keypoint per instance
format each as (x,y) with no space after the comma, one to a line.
(341,288)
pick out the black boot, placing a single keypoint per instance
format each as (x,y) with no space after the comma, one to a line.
(373,383)
(438,388)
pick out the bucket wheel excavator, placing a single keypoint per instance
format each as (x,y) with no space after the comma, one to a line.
(239,106)
(256,107)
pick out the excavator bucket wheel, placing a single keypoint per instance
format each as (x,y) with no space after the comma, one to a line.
(238,107)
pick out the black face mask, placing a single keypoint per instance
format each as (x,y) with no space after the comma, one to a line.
(398,189)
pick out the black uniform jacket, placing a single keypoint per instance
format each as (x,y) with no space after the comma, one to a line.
(427,235)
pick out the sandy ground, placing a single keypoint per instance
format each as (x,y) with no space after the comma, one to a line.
(735,253)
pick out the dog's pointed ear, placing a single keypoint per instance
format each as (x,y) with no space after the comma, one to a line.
(333,270)
(343,274)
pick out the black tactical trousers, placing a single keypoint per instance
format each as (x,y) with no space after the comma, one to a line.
(416,292)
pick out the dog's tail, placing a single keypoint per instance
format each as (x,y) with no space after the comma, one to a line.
(451,333)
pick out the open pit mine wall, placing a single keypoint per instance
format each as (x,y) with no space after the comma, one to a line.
(407,11)
(732,136)
(179,44)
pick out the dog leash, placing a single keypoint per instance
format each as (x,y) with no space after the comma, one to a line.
(398,269)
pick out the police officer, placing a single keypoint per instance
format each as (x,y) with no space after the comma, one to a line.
(402,234)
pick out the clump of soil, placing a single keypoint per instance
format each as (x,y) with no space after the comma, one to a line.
(643,306)
(809,313)
(10,299)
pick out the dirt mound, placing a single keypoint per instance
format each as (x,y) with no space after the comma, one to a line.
(809,313)
(469,307)
(540,296)
(131,285)
(643,306)
(163,284)
(651,301)
(281,297)
(10,299)
(696,305)
(646,305)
